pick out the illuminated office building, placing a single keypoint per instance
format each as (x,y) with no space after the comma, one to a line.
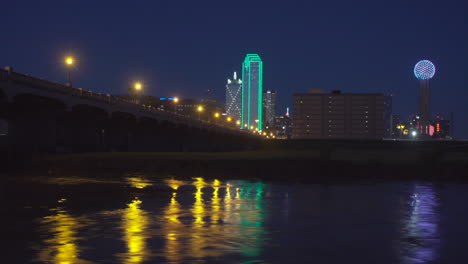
(252,91)
(233,97)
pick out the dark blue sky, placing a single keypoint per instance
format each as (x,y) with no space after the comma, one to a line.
(182,48)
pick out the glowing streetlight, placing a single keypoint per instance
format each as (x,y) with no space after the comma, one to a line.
(229,119)
(216,115)
(135,90)
(238,122)
(199,110)
(176,100)
(138,86)
(69,62)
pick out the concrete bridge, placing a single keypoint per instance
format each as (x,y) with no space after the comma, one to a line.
(38,115)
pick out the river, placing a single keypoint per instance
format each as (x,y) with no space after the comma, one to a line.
(197,220)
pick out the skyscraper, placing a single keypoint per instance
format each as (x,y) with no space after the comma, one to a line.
(233,97)
(269,108)
(252,78)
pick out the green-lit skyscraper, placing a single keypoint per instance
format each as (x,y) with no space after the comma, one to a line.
(252,91)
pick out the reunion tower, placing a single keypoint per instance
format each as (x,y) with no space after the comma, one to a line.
(424,70)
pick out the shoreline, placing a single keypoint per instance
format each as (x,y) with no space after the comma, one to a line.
(303,166)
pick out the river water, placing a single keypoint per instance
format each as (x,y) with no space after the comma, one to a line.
(235,221)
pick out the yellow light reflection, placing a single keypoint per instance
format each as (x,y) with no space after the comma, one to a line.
(215,202)
(198,207)
(138,182)
(135,224)
(171,227)
(62,247)
(174,184)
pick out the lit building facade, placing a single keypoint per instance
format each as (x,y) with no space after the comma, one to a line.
(338,115)
(234,97)
(282,127)
(252,92)
(269,108)
(441,127)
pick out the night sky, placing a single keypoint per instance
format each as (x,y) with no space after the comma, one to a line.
(183,48)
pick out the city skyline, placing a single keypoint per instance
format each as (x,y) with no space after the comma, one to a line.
(367,50)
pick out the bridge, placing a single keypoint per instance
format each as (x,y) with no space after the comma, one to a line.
(38,115)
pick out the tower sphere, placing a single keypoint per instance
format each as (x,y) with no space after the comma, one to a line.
(424,70)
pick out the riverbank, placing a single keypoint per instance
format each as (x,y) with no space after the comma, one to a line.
(305,167)
(306,161)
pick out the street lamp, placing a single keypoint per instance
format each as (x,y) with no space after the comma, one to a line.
(229,119)
(137,87)
(216,115)
(69,62)
(199,110)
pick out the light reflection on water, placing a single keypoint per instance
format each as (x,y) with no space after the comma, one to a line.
(218,219)
(61,247)
(420,232)
(243,222)
(135,222)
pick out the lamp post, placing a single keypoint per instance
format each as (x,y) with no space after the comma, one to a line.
(137,87)
(216,115)
(199,110)
(69,62)
(173,106)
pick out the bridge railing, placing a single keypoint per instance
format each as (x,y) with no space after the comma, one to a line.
(39,83)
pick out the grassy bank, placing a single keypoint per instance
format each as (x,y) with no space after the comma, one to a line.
(304,161)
